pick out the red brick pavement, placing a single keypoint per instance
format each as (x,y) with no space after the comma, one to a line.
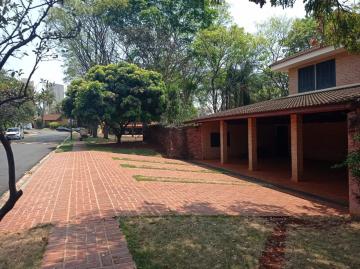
(80,192)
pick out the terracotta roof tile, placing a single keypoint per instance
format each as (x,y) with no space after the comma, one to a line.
(52,117)
(311,99)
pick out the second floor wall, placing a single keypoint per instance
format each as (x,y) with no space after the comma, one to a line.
(336,70)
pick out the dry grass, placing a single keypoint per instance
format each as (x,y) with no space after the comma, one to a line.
(128,165)
(147,161)
(326,243)
(195,241)
(191,180)
(23,250)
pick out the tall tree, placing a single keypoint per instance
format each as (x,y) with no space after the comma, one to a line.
(116,94)
(44,99)
(156,34)
(339,20)
(280,37)
(225,56)
(131,94)
(96,43)
(89,104)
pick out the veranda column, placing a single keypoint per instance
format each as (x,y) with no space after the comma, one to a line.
(252,144)
(297,166)
(203,141)
(223,142)
(353,119)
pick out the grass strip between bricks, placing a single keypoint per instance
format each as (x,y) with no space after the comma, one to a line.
(147,161)
(112,147)
(128,165)
(188,180)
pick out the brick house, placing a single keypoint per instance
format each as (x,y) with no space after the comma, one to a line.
(296,140)
(49,118)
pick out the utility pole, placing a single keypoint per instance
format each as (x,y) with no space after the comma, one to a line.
(71,129)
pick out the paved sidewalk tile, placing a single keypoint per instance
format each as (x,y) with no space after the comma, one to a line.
(80,193)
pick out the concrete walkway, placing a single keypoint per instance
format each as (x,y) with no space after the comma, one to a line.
(80,192)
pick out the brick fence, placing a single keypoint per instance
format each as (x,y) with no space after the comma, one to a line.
(176,142)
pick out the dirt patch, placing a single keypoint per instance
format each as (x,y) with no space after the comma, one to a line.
(25,249)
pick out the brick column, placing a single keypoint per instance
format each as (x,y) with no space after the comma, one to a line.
(353,145)
(203,145)
(252,144)
(297,166)
(223,141)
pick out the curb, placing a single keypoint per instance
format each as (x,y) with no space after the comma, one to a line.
(25,179)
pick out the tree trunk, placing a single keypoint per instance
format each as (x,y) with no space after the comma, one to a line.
(94,131)
(118,138)
(14,194)
(106,131)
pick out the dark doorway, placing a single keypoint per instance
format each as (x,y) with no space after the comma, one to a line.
(282,141)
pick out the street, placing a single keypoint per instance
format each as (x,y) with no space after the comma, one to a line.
(28,152)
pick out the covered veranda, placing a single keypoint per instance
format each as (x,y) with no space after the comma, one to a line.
(297,147)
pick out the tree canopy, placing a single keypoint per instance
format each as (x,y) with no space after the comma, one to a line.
(116,94)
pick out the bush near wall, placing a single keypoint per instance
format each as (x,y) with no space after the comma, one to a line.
(175,142)
(54,125)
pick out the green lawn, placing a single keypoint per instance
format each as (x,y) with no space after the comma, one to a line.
(66,146)
(23,250)
(238,242)
(115,148)
(195,241)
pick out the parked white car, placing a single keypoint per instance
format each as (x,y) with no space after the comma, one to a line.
(14,133)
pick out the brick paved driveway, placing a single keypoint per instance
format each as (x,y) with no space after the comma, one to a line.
(81,191)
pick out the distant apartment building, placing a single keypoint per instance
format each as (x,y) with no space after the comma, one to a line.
(31,83)
(59,93)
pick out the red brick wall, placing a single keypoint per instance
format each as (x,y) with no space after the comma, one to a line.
(353,145)
(175,142)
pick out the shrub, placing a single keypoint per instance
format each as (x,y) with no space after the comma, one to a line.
(54,125)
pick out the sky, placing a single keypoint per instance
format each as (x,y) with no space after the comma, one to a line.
(245,14)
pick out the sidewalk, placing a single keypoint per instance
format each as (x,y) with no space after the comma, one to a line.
(81,191)
(62,192)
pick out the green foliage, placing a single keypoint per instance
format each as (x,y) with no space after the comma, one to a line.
(342,27)
(116,94)
(302,32)
(339,20)
(226,57)
(89,103)
(95,44)
(14,113)
(54,125)
(353,160)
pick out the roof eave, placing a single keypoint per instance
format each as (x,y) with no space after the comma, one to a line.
(347,105)
(285,65)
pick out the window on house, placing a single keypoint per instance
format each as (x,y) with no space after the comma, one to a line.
(325,75)
(307,79)
(317,77)
(215,140)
